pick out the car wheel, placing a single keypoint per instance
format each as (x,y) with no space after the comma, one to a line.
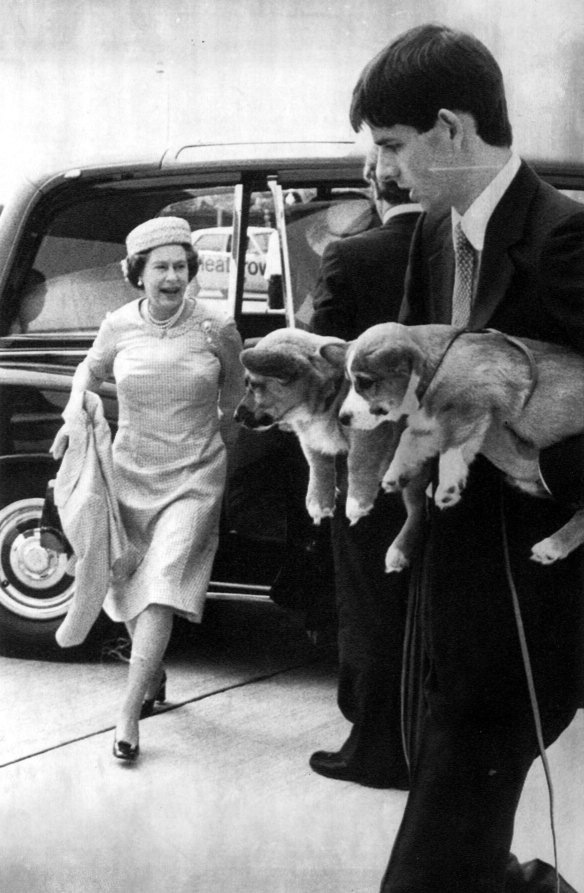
(36,578)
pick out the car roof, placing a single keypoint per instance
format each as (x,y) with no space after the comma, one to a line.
(210,156)
(260,153)
(286,159)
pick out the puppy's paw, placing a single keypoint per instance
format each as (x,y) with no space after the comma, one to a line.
(398,476)
(317,511)
(448,495)
(393,484)
(355,510)
(452,478)
(395,560)
(548,551)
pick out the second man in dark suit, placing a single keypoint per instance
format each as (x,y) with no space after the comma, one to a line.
(361,284)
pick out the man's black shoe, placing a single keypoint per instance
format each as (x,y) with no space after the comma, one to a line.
(334,765)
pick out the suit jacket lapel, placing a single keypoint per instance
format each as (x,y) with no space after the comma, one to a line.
(504,230)
(441,273)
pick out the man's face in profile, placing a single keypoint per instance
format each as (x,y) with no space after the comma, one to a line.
(422,163)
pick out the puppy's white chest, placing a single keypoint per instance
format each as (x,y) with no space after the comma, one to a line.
(322,435)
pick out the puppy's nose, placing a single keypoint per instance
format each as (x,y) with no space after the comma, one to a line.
(377,410)
(248,419)
(345,418)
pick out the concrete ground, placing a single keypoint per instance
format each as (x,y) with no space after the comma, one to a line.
(222,798)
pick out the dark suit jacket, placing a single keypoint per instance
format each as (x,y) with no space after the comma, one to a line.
(531,284)
(361,284)
(361,279)
(531,280)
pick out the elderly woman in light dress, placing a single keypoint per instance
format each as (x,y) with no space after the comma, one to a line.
(178,376)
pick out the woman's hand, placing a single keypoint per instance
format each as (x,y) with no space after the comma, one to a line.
(60,443)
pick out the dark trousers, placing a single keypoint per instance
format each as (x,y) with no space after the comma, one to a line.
(371,608)
(472,734)
(456,833)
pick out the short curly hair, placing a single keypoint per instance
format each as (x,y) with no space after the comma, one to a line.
(133,265)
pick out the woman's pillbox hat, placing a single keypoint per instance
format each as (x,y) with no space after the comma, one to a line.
(156,232)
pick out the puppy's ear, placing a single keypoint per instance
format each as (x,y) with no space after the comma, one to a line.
(273,364)
(396,366)
(392,361)
(335,353)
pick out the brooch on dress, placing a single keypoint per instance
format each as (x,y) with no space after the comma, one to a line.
(207,329)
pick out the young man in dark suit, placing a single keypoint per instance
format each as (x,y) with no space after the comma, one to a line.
(360,284)
(434,102)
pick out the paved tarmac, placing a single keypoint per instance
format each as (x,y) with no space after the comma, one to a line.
(222,799)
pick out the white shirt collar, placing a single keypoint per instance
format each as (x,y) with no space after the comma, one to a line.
(474,221)
(401,209)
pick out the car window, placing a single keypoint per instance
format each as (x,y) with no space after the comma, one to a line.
(75,277)
(313,217)
(313,225)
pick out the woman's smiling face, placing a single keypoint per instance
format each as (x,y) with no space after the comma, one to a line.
(165,278)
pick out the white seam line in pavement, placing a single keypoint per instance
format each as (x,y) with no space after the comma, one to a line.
(161,710)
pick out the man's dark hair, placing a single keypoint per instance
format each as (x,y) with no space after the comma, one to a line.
(427,69)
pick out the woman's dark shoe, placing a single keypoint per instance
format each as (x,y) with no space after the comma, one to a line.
(160,697)
(123,750)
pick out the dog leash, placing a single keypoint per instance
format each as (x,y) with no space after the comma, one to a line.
(530,684)
(420,391)
(534,376)
(511,339)
(533,367)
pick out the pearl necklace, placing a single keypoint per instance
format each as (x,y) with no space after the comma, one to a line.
(170,321)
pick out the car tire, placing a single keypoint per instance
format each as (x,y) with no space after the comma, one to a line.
(36,578)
